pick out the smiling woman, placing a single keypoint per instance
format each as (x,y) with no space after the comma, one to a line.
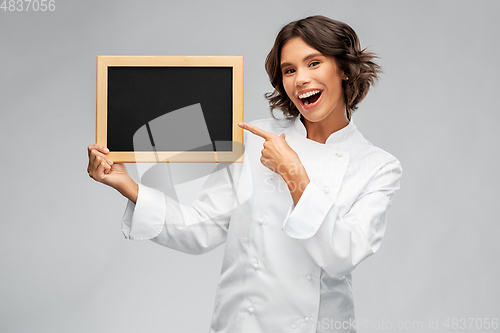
(313,82)
(297,216)
(325,38)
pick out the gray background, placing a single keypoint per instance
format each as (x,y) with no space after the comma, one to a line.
(66,267)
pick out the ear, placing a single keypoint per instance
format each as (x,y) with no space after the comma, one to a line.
(343,75)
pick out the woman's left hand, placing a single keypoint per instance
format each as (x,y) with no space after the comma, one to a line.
(277,155)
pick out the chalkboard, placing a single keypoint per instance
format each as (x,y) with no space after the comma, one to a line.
(170,108)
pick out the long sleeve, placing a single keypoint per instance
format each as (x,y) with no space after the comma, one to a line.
(339,242)
(193,229)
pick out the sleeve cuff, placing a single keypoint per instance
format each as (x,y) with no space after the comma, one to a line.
(305,219)
(145,219)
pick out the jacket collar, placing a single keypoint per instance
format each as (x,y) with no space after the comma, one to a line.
(337,137)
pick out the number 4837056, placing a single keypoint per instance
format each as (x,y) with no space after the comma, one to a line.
(28,5)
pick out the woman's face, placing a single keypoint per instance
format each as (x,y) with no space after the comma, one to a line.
(312,81)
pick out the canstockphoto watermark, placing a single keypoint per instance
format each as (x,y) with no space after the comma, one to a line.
(185,130)
(325,323)
(429,324)
(333,173)
(28,5)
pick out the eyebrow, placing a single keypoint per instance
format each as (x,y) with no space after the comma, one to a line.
(312,55)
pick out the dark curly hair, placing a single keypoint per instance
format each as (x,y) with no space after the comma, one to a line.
(331,38)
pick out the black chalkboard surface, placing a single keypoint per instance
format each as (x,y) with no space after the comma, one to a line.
(170,109)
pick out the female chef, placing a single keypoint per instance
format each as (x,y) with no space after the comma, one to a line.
(312,194)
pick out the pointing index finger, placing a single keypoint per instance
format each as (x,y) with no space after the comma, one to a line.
(255,130)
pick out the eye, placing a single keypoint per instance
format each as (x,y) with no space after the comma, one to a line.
(314,63)
(288,71)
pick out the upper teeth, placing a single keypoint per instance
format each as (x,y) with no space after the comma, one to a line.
(309,93)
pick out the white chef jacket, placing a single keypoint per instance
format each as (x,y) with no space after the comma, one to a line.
(286,268)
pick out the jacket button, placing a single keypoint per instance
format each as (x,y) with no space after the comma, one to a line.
(250,309)
(308,276)
(339,154)
(256,265)
(261,220)
(326,189)
(306,318)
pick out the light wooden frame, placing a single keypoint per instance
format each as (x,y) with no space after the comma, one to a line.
(236,62)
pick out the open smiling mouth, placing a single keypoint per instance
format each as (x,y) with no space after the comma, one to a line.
(309,98)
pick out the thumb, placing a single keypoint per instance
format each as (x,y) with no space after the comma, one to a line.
(282,135)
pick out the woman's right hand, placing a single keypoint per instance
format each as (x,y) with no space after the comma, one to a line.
(102,169)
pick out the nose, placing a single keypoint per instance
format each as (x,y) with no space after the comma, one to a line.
(301,78)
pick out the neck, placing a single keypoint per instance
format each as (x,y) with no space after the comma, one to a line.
(321,130)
